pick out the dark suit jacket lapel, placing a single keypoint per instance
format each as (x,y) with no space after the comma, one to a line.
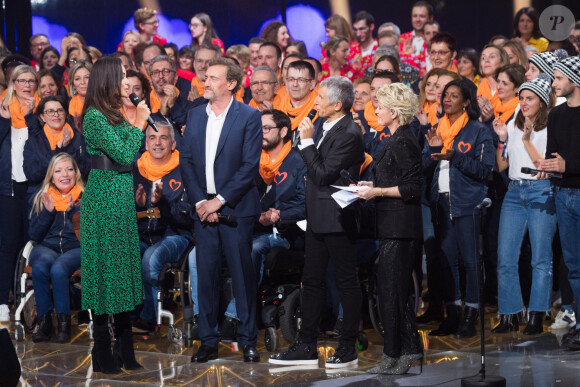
(228,124)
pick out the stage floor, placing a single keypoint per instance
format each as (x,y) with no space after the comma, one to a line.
(522,360)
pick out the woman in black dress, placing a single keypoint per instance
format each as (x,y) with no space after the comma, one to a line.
(396,187)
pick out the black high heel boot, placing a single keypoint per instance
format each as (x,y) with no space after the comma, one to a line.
(63,328)
(507,323)
(467,325)
(101,352)
(44,330)
(123,350)
(535,323)
(450,323)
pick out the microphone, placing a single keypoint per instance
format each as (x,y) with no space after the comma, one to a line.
(484,204)
(531,171)
(347,176)
(228,219)
(312,114)
(133,97)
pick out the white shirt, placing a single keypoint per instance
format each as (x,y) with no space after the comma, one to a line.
(517,153)
(326,126)
(443,182)
(213,131)
(18,138)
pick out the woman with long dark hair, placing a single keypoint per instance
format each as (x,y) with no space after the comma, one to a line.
(527,29)
(110,256)
(202,32)
(276,32)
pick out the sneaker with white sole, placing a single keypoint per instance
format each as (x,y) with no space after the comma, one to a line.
(345,356)
(4,313)
(563,320)
(299,353)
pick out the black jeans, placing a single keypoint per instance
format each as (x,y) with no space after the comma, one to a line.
(320,248)
(13,235)
(397,258)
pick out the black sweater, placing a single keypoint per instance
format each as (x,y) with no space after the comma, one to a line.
(564,138)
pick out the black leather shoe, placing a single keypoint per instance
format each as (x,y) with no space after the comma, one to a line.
(229,329)
(44,331)
(204,354)
(467,325)
(63,328)
(451,322)
(433,313)
(507,323)
(251,354)
(535,323)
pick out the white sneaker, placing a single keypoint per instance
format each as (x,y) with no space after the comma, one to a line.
(563,319)
(4,313)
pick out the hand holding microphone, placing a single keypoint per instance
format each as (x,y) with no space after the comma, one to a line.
(306,127)
(143,114)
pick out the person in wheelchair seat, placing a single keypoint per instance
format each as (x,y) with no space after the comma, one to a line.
(57,254)
(281,187)
(157,182)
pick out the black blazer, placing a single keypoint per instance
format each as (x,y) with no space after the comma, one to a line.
(341,148)
(399,164)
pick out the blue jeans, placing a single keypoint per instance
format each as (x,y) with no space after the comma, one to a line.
(528,205)
(168,249)
(261,245)
(49,266)
(568,213)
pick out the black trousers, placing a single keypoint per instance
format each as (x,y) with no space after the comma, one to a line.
(341,249)
(9,364)
(397,258)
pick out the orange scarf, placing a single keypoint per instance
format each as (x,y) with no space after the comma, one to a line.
(282,91)
(366,163)
(154,172)
(448,131)
(269,168)
(298,114)
(505,111)
(485,91)
(200,87)
(240,94)
(155,102)
(276,103)
(53,139)
(431,109)
(372,118)
(17,112)
(453,68)
(60,200)
(75,106)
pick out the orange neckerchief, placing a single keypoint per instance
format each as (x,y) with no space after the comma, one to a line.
(60,200)
(200,87)
(240,95)
(282,91)
(17,113)
(298,114)
(269,168)
(448,131)
(53,139)
(453,68)
(154,172)
(366,163)
(372,118)
(155,102)
(276,103)
(505,111)
(485,90)
(75,106)
(431,109)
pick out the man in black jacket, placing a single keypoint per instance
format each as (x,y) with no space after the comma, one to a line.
(331,230)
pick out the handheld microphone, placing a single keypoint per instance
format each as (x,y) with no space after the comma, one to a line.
(531,171)
(312,114)
(133,97)
(348,177)
(484,204)
(228,219)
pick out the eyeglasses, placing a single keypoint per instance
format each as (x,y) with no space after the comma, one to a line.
(299,80)
(38,45)
(202,62)
(261,83)
(194,26)
(24,82)
(440,53)
(73,61)
(164,72)
(266,129)
(54,113)
(153,23)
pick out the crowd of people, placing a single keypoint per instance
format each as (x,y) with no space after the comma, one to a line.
(249,139)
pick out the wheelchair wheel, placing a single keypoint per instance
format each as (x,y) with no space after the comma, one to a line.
(290,316)
(174,334)
(29,318)
(271,339)
(19,333)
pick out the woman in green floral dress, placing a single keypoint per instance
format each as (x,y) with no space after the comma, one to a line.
(110,258)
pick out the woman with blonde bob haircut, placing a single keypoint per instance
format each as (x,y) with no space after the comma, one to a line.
(396,187)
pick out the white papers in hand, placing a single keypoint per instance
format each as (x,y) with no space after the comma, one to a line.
(347,194)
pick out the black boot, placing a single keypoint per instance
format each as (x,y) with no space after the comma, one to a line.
(101,353)
(434,312)
(450,323)
(63,329)
(508,323)
(535,323)
(467,325)
(44,330)
(123,350)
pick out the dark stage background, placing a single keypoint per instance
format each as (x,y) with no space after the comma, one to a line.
(102,22)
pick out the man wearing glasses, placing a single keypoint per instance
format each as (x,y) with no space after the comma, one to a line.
(204,54)
(146,23)
(264,88)
(38,43)
(300,84)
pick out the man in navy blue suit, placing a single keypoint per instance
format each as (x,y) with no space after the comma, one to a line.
(219,158)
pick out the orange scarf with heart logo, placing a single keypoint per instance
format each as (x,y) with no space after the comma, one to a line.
(448,131)
(60,200)
(268,167)
(75,107)
(372,118)
(505,111)
(17,112)
(199,86)
(298,114)
(53,138)
(154,172)
(155,102)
